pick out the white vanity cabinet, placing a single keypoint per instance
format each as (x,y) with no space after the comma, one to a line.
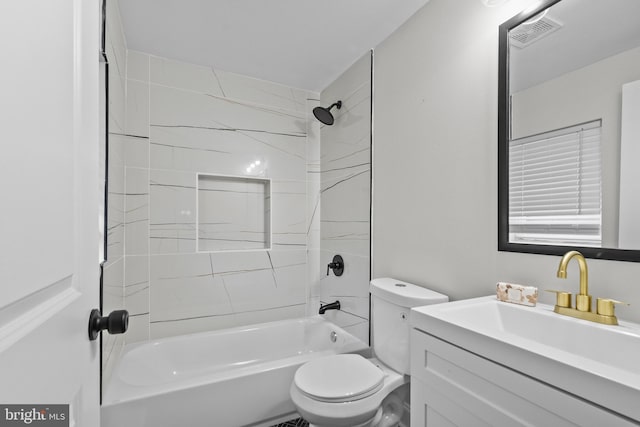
(483,362)
(454,387)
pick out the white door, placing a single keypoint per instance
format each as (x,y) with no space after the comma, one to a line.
(49,277)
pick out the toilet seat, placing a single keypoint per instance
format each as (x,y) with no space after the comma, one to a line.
(357,410)
(339,378)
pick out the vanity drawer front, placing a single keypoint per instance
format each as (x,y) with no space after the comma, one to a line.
(460,386)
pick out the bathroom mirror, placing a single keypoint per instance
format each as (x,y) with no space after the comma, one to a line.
(568,138)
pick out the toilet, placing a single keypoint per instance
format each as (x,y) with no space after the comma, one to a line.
(347,390)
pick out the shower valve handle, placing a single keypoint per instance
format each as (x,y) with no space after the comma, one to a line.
(337,265)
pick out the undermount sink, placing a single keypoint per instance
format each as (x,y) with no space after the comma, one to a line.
(591,360)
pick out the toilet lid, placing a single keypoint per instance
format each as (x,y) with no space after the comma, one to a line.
(339,378)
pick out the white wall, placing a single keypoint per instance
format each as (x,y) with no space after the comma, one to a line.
(435,163)
(629,172)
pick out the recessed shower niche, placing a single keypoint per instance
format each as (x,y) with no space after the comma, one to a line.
(234,213)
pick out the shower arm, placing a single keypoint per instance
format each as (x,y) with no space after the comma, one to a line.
(335,104)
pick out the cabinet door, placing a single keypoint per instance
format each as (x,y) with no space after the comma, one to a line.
(451,386)
(430,408)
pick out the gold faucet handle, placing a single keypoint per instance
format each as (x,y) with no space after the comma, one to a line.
(563,299)
(606,306)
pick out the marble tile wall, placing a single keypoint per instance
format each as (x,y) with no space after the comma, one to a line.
(114,266)
(171,122)
(182,121)
(345,168)
(137,195)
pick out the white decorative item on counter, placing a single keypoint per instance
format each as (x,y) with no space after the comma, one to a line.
(517,294)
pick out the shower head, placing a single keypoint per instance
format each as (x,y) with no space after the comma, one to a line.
(324,114)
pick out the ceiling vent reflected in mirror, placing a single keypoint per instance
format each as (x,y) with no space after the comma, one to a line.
(533,30)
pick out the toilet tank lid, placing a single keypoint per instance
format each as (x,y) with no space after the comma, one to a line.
(404,294)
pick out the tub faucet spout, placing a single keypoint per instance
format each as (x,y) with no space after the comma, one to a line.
(332,306)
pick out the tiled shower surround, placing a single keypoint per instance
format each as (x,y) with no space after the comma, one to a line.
(191,268)
(233,198)
(345,188)
(113,279)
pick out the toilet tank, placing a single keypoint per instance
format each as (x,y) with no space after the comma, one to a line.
(391,301)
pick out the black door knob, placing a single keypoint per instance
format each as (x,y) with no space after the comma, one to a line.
(117,322)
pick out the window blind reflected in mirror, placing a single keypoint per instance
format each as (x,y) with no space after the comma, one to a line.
(555,182)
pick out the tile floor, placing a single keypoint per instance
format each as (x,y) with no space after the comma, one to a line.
(298,422)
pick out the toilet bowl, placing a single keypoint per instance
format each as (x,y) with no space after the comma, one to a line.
(347,390)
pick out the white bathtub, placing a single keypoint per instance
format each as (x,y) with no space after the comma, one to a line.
(230,378)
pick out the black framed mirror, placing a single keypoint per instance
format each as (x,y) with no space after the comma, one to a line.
(568,145)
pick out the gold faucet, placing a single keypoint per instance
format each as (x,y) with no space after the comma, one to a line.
(583,299)
(605,307)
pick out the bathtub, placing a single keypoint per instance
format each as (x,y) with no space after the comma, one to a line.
(229,378)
